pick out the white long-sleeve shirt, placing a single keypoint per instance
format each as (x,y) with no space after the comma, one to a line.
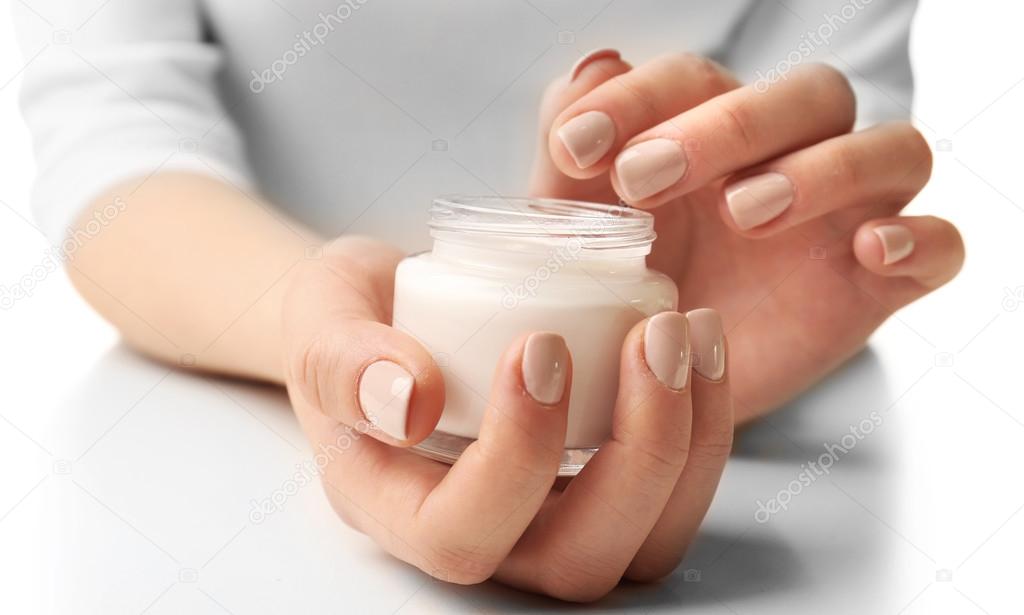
(352,114)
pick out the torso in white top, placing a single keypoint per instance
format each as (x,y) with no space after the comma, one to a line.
(352,114)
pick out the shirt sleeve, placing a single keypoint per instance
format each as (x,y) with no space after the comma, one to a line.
(868,40)
(115,91)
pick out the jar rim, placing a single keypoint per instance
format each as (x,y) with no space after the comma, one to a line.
(594,226)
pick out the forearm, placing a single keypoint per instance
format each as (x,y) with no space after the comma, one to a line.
(191,272)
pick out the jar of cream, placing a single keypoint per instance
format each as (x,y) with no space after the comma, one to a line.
(501,267)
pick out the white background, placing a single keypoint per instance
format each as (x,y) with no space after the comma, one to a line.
(125,487)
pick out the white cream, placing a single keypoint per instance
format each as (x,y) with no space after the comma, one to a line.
(500,268)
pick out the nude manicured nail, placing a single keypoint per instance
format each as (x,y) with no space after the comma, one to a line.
(384,391)
(648,168)
(758,199)
(707,340)
(667,348)
(597,54)
(545,365)
(897,242)
(588,137)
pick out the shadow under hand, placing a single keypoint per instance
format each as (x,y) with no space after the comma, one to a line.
(824,413)
(822,545)
(767,565)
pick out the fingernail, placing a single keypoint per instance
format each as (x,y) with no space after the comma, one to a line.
(588,137)
(708,342)
(545,364)
(648,168)
(897,242)
(667,348)
(597,54)
(384,391)
(756,200)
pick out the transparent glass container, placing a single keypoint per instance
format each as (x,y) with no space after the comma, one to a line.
(501,267)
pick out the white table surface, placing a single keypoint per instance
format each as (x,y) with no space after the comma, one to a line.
(126,487)
(137,499)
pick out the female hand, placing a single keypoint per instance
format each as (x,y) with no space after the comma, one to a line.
(767,206)
(365,391)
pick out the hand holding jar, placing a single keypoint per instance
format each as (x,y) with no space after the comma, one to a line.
(365,392)
(767,208)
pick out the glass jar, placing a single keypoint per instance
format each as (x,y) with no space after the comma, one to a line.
(501,267)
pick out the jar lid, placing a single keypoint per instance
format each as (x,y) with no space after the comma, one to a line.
(535,220)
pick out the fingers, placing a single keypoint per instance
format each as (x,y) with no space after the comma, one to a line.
(905,257)
(483,505)
(710,444)
(357,370)
(733,131)
(586,136)
(887,163)
(459,524)
(546,179)
(344,362)
(589,536)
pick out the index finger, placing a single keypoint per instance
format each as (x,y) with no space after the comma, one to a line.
(585,137)
(732,131)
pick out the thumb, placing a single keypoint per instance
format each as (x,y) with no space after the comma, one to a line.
(547,179)
(344,364)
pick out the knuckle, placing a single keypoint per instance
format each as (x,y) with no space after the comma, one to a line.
(660,456)
(847,166)
(921,158)
(458,564)
(629,93)
(954,235)
(572,590)
(521,470)
(341,509)
(834,88)
(709,456)
(360,254)
(662,461)
(710,76)
(580,574)
(831,80)
(655,566)
(957,253)
(310,366)
(735,119)
(679,60)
